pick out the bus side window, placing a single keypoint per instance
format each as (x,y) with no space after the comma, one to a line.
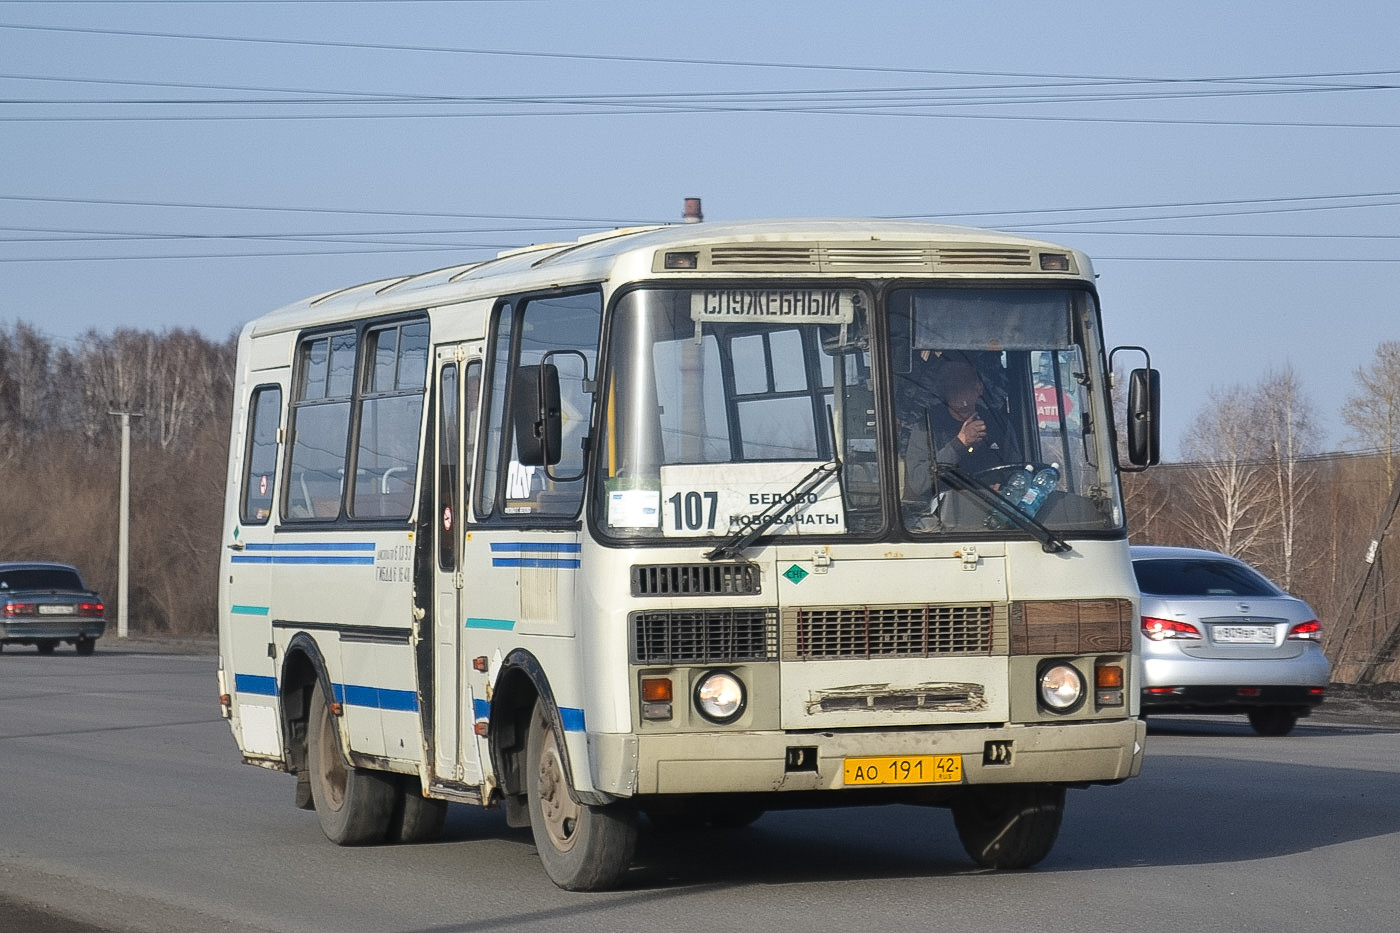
(260,460)
(389,411)
(456,447)
(524,335)
(319,426)
(449,467)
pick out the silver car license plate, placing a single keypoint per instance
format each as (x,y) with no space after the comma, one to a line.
(1243,634)
(48,610)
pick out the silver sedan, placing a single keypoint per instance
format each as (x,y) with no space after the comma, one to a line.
(1220,637)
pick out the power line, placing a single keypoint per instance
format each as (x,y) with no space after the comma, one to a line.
(661,60)
(381,240)
(369,212)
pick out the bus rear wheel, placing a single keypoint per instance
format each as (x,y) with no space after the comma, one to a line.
(354,805)
(416,818)
(583,847)
(1009,826)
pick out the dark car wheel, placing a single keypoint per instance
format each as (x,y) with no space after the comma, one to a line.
(1273,720)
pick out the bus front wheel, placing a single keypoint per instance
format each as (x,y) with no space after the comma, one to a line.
(354,805)
(582,847)
(1009,826)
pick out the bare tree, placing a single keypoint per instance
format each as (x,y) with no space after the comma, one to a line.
(1373,413)
(1147,500)
(25,382)
(1284,416)
(1232,507)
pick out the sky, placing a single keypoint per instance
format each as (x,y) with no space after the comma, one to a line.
(1230,167)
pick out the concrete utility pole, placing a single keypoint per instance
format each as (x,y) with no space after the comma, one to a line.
(124,521)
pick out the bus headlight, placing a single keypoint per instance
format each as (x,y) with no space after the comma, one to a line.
(719,696)
(1061,687)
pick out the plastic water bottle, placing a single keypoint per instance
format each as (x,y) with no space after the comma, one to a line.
(1041,485)
(1014,489)
(1027,492)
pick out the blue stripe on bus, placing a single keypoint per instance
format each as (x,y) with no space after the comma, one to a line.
(330,553)
(555,562)
(377,697)
(249,610)
(309,546)
(536,548)
(255,683)
(383,698)
(305,559)
(504,625)
(572,718)
(548,547)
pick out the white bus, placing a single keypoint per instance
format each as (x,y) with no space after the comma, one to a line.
(645,529)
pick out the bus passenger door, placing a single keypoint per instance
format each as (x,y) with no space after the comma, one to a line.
(246,625)
(454,747)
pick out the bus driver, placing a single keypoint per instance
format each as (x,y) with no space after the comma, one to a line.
(962,434)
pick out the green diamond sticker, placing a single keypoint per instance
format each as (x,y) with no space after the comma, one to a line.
(795,573)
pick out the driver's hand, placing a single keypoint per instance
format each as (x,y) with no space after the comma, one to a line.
(973,431)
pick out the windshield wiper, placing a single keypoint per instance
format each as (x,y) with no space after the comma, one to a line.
(736,544)
(959,479)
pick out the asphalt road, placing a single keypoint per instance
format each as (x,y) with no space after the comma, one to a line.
(124,807)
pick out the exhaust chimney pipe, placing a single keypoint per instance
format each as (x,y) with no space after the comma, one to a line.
(692,213)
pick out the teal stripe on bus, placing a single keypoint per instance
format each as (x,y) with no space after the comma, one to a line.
(503,625)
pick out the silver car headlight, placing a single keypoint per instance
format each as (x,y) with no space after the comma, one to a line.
(1061,687)
(720,697)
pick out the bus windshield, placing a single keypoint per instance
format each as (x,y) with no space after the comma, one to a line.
(783,407)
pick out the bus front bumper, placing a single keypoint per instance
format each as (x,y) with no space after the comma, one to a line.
(754,762)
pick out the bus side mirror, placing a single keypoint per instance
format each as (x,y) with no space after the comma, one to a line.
(537,415)
(1144,417)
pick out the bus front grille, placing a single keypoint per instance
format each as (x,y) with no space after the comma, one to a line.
(706,636)
(900,631)
(696,580)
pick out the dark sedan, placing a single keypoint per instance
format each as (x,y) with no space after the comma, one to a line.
(43,604)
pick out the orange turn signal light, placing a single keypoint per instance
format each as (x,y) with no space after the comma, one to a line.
(656,689)
(1108,677)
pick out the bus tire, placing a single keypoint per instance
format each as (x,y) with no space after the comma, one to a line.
(416,818)
(353,805)
(736,816)
(1009,826)
(582,847)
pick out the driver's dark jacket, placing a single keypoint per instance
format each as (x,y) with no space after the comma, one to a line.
(998,448)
